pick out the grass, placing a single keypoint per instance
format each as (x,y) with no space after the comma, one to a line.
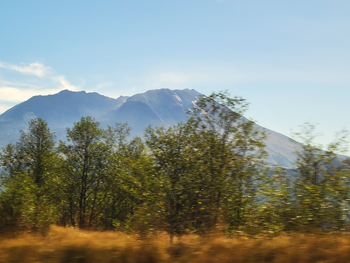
(73,245)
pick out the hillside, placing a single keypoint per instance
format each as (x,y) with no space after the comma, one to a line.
(154,107)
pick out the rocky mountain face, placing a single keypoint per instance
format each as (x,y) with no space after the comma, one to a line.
(154,107)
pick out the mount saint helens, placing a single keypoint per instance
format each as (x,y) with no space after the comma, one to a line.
(154,107)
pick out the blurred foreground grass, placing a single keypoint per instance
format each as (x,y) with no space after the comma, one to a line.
(73,245)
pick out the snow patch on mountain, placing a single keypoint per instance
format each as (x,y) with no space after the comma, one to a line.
(177,97)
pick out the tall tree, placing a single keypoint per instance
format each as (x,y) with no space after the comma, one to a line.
(175,157)
(234,154)
(321,187)
(84,154)
(210,165)
(275,197)
(33,159)
(128,180)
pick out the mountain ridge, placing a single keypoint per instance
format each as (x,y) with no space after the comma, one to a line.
(154,107)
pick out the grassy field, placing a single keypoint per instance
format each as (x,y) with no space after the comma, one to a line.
(72,245)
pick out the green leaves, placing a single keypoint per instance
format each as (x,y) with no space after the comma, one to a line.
(209,165)
(321,188)
(29,177)
(187,178)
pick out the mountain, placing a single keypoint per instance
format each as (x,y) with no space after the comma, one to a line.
(154,107)
(170,105)
(137,114)
(59,110)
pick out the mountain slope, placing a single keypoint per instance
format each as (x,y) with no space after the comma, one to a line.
(137,114)
(60,110)
(169,105)
(154,107)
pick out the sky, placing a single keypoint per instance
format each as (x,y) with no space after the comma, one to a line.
(289,59)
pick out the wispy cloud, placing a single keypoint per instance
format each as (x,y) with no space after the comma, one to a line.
(36,69)
(4,108)
(104,85)
(41,71)
(64,83)
(11,94)
(17,83)
(38,78)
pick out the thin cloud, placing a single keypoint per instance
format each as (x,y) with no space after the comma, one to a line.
(7,83)
(104,85)
(40,77)
(37,69)
(4,108)
(64,83)
(11,94)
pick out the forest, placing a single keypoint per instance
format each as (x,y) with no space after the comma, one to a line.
(205,176)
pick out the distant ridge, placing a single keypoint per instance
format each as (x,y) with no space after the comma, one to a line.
(154,107)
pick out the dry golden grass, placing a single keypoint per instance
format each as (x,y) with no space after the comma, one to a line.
(72,245)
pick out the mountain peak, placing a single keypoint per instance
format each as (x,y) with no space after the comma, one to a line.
(64,91)
(154,107)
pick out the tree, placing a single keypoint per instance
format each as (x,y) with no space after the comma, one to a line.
(131,187)
(210,165)
(321,188)
(107,178)
(234,154)
(32,160)
(85,169)
(188,205)
(275,197)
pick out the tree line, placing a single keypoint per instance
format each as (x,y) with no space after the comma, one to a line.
(208,173)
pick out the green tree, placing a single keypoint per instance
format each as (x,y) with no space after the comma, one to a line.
(85,170)
(210,165)
(32,160)
(234,155)
(275,197)
(128,194)
(321,188)
(107,179)
(184,185)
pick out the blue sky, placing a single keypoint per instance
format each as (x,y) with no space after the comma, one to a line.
(289,59)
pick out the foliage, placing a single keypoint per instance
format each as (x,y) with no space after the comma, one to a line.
(234,155)
(85,170)
(130,189)
(202,176)
(30,178)
(184,181)
(107,179)
(210,166)
(275,211)
(321,190)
